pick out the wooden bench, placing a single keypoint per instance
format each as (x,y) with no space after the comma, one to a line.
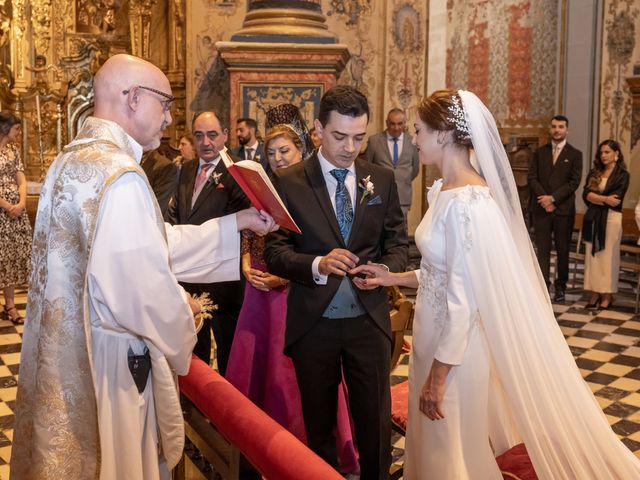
(630,268)
(401,312)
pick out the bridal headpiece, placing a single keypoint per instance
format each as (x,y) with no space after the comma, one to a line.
(457,117)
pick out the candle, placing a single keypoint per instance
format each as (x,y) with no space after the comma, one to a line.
(38,111)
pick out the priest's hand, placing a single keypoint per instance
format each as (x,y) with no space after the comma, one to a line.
(260,223)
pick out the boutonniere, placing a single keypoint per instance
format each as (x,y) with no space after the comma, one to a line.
(215,178)
(256,158)
(367,185)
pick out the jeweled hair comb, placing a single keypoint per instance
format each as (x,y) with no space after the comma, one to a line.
(458,118)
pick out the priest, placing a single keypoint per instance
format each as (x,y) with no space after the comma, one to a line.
(107,323)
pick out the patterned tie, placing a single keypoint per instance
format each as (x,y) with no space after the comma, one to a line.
(201,178)
(344,209)
(248,153)
(395,151)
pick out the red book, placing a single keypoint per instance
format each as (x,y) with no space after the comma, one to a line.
(255,183)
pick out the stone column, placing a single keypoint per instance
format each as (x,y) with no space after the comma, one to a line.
(284,53)
(284,21)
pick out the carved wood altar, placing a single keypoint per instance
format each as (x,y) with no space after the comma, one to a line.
(50,49)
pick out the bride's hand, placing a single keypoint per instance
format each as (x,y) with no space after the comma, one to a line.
(432,393)
(375,276)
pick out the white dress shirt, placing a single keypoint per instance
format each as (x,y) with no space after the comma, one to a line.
(390,145)
(214,164)
(331,183)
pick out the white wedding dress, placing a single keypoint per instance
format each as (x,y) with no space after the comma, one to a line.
(514,378)
(456,447)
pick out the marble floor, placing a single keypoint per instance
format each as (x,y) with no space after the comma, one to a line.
(605,345)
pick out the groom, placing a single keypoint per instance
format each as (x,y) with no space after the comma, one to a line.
(349,213)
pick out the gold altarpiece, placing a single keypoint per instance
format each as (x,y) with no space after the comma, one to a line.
(50,49)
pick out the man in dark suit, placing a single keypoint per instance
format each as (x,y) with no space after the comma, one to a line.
(250,148)
(162,174)
(349,213)
(554,176)
(394,149)
(207,190)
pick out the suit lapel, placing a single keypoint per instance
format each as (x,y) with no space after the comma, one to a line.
(362,171)
(406,148)
(560,156)
(384,146)
(319,187)
(190,170)
(208,188)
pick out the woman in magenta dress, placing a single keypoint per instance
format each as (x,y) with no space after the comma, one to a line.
(257,366)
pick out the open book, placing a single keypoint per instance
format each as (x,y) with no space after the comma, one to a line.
(255,183)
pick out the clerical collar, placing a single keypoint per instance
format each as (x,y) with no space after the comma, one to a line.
(136,147)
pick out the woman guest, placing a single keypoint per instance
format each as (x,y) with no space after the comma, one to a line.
(257,367)
(187,150)
(15,230)
(489,365)
(603,193)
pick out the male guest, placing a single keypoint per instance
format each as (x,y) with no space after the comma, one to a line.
(107,323)
(349,213)
(250,148)
(393,149)
(554,176)
(162,174)
(207,190)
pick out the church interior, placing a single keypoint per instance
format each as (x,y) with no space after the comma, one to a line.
(528,60)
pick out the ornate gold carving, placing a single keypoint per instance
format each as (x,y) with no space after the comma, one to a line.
(140,22)
(19,49)
(41,24)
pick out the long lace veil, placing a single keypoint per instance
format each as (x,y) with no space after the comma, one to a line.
(564,429)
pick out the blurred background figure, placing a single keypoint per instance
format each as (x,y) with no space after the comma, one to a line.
(250,147)
(15,230)
(394,149)
(317,141)
(604,193)
(187,150)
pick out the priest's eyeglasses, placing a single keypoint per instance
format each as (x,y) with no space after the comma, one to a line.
(166,104)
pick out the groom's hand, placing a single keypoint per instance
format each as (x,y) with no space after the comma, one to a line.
(338,261)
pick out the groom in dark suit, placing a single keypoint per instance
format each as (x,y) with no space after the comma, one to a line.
(555,172)
(207,190)
(349,213)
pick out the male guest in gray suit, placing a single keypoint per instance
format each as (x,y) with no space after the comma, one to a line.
(394,149)
(250,148)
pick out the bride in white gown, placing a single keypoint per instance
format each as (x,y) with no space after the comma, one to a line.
(489,366)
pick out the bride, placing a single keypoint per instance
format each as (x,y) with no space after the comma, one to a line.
(489,365)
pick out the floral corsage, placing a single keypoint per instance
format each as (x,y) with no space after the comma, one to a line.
(216,179)
(367,185)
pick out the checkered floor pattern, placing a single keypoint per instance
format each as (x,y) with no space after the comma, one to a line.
(605,344)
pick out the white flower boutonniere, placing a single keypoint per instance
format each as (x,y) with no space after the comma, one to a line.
(216,177)
(367,185)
